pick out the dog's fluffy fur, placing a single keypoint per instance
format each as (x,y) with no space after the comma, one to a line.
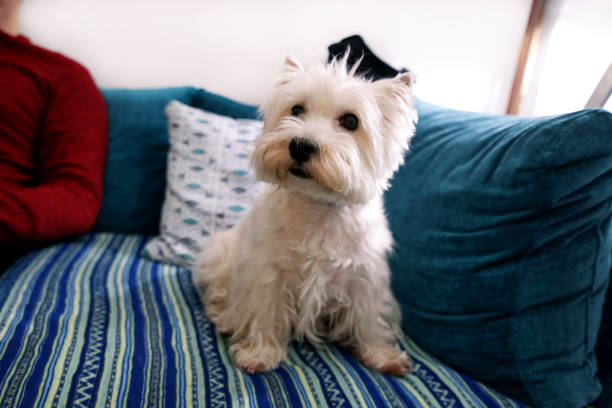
(308,262)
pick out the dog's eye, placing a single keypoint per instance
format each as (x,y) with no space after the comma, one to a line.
(297,110)
(349,121)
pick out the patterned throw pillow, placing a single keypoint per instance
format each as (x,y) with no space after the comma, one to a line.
(209,186)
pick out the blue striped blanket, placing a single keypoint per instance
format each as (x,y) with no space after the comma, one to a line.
(89,323)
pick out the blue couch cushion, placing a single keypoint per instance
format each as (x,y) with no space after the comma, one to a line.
(503,247)
(135,173)
(603,351)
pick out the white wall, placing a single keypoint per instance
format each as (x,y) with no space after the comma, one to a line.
(464,52)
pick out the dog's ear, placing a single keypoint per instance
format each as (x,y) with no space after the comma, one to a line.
(399,86)
(406,78)
(290,70)
(292,64)
(396,100)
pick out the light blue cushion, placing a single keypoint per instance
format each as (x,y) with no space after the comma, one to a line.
(503,247)
(135,173)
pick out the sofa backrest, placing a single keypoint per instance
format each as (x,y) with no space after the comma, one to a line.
(135,173)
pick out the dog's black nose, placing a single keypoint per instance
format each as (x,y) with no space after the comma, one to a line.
(301,149)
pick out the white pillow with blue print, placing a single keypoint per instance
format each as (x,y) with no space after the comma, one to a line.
(209,185)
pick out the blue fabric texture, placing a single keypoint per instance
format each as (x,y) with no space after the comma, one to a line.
(603,351)
(90,323)
(503,247)
(135,173)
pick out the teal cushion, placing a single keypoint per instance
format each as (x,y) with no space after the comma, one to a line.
(223,106)
(603,351)
(135,173)
(503,247)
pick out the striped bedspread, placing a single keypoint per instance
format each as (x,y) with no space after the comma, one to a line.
(90,323)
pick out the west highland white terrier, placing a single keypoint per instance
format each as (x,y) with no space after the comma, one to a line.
(309,261)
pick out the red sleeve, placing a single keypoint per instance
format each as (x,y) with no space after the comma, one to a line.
(70,158)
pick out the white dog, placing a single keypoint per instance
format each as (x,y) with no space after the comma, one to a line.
(309,260)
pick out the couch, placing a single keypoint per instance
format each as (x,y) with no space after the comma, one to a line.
(490,221)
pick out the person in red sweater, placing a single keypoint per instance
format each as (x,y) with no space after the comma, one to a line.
(53,141)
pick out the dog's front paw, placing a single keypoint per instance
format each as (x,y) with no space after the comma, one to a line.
(257,359)
(386,359)
(218,323)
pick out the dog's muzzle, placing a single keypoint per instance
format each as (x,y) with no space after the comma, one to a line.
(301,149)
(299,172)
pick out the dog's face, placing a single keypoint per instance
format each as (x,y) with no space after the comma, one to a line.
(331,135)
